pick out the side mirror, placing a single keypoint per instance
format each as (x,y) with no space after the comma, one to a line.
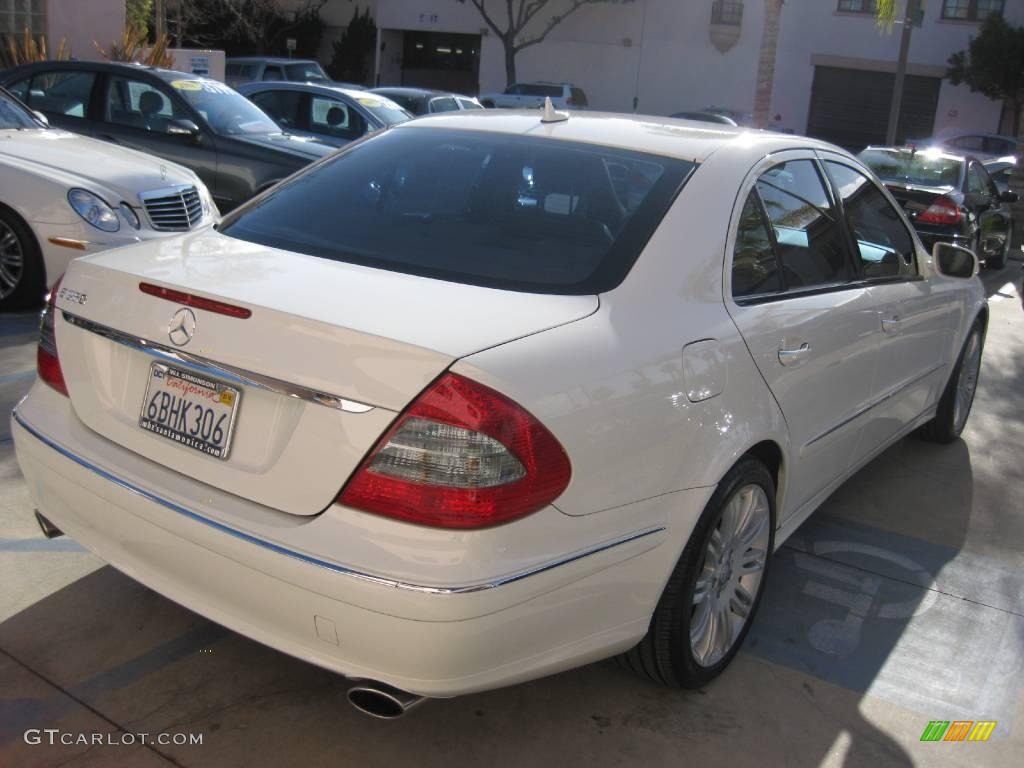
(954,260)
(1006,196)
(183,127)
(41,117)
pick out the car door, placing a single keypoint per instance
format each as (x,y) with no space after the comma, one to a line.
(982,199)
(914,315)
(142,114)
(512,98)
(808,323)
(65,96)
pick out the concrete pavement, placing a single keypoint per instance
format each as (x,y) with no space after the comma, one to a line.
(900,602)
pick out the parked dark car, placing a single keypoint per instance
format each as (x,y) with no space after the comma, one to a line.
(329,113)
(253,69)
(948,197)
(423,101)
(234,147)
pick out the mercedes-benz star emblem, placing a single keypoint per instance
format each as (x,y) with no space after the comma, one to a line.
(182,327)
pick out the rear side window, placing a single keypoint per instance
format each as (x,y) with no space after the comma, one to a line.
(469,104)
(513,212)
(579,98)
(755,268)
(283,106)
(62,93)
(808,237)
(443,104)
(885,247)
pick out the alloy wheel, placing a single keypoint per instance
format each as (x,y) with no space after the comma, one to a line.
(967,382)
(12,260)
(730,577)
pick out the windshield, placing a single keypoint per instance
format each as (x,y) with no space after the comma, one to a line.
(13,115)
(927,168)
(226,111)
(307,70)
(385,110)
(514,212)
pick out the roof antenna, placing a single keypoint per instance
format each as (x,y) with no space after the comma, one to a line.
(551,115)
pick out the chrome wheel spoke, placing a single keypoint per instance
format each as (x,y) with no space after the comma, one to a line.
(729,579)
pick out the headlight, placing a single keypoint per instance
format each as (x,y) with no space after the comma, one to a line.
(93,210)
(130,215)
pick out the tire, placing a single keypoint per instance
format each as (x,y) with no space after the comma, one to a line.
(668,654)
(998,262)
(22,277)
(951,417)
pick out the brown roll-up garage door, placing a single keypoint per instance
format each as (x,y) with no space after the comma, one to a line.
(850,107)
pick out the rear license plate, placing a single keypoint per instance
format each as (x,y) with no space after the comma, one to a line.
(189,409)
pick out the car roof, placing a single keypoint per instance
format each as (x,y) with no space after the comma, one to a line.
(294,85)
(268,60)
(105,66)
(684,139)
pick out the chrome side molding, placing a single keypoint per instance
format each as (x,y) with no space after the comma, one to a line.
(236,375)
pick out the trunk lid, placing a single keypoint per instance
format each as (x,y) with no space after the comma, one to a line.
(373,337)
(916,199)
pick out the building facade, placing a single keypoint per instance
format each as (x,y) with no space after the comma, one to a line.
(78,23)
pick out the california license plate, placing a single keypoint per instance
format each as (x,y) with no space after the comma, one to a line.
(190,409)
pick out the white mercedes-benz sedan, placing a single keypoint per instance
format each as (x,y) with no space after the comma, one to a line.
(489,396)
(64,195)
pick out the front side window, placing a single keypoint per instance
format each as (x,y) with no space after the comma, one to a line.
(64,93)
(272,72)
(971,10)
(283,106)
(978,181)
(755,267)
(136,104)
(809,240)
(334,118)
(885,247)
(309,71)
(514,212)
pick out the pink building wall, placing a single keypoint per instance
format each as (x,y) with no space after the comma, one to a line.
(80,22)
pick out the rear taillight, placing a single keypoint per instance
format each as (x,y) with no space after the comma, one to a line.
(47,362)
(941,211)
(461,456)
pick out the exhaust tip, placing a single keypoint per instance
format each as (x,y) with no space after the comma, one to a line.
(49,530)
(382,701)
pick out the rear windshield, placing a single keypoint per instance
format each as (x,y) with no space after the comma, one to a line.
(923,169)
(512,212)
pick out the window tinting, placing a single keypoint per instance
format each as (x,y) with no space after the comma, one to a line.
(579,98)
(63,93)
(515,212)
(810,243)
(443,104)
(885,247)
(273,73)
(755,268)
(283,106)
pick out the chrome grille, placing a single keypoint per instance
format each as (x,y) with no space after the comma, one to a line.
(176,209)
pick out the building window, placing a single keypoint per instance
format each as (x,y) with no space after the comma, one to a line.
(729,12)
(858,6)
(971,10)
(17,15)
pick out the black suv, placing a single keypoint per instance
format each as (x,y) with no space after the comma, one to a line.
(234,147)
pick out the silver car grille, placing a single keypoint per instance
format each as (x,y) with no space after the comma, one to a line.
(175,209)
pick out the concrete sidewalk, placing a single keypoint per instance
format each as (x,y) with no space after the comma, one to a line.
(900,602)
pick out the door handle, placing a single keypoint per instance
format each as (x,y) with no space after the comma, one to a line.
(794,357)
(892,325)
